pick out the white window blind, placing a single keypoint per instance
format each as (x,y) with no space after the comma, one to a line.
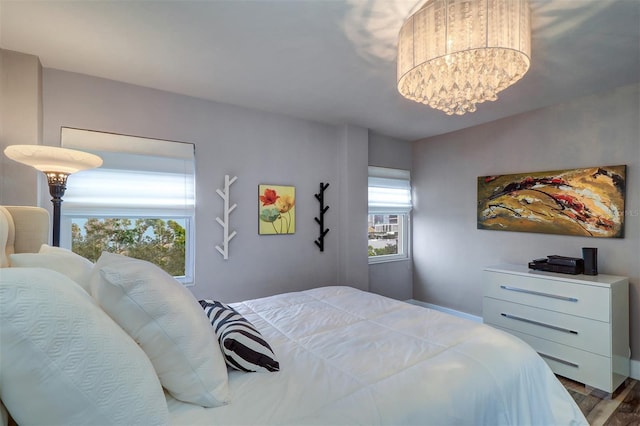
(139,176)
(389,191)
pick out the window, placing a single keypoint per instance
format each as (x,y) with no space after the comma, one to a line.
(389,209)
(140,203)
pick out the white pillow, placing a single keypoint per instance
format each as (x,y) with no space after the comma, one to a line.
(64,361)
(62,260)
(168,323)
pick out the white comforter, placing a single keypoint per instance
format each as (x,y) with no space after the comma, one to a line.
(351,357)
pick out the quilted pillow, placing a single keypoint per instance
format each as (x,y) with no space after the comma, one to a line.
(64,361)
(61,260)
(243,346)
(166,320)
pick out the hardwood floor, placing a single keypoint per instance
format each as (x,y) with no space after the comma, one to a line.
(601,409)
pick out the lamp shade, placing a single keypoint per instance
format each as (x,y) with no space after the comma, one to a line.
(53,159)
(453,54)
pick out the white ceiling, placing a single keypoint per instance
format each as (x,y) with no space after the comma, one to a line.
(331,61)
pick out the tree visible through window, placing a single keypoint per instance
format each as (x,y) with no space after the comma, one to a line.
(155,240)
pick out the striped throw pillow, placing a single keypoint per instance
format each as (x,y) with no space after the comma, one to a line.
(242,345)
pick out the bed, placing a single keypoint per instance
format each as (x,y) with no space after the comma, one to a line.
(344,356)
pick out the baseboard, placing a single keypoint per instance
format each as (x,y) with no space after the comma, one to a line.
(446,310)
(634,371)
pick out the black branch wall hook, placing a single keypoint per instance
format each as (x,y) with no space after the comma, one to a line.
(323,209)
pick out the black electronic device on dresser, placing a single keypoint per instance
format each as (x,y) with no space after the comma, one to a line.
(590,256)
(560,264)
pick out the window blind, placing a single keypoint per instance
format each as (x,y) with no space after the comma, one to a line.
(139,176)
(389,191)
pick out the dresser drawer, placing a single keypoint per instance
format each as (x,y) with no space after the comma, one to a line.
(578,332)
(576,364)
(573,299)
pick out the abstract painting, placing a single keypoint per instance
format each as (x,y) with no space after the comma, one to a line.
(587,202)
(276,209)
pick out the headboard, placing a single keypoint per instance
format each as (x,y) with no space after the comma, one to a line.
(23,229)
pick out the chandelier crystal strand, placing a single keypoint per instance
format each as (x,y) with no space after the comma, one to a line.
(454,54)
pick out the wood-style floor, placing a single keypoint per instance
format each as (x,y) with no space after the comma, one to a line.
(601,409)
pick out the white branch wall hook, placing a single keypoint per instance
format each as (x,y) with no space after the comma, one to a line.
(224,194)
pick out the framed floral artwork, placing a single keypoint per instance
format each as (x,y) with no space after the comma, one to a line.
(588,202)
(276,209)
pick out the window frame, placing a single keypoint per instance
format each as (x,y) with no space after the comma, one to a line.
(399,179)
(403,241)
(134,154)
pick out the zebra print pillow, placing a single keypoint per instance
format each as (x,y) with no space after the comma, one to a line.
(242,345)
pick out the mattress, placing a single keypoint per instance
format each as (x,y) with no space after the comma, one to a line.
(352,357)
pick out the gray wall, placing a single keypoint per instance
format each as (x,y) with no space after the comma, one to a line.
(256,146)
(352,206)
(20,124)
(449,252)
(391,279)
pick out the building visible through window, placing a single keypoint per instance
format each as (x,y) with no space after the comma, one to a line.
(383,234)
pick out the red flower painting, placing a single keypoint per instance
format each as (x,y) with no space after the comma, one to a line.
(270,197)
(275,209)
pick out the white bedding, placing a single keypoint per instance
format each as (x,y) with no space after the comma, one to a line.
(351,357)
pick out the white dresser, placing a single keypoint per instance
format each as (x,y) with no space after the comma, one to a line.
(578,323)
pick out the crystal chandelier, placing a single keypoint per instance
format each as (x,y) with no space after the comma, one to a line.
(453,54)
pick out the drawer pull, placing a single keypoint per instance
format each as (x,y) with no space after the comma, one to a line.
(538,293)
(542,324)
(561,361)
